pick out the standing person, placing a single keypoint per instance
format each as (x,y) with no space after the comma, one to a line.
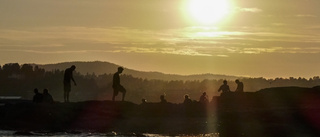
(225,87)
(117,87)
(239,86)
(68,76)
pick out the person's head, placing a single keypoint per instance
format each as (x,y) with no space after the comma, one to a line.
(186,96)
(120,69)
(73,67)
(237,81)
(45,91)
(143,100)
(204,93)
(35,90)
(225,82)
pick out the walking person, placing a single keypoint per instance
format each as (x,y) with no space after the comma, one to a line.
(117,87)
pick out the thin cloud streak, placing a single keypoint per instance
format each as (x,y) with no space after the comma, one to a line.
(253,10)
(193,41)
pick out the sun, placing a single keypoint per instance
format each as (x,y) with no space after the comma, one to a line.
(208,11)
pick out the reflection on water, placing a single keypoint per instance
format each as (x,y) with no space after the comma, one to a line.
(83,134)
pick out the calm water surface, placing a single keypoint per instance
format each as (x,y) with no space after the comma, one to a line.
(11,133)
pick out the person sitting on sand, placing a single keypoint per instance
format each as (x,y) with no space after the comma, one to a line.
(187,100)
(225,87)
(204,98)
(143,101)
(37,98)
(239,86)
(47,98)
(162,99)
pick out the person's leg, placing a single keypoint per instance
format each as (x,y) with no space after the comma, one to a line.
(113,97)
(68,96)
(65,96)
(123,95)
(123,90)
(115,93)
(67,89)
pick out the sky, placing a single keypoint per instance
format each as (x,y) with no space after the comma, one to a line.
(255,38)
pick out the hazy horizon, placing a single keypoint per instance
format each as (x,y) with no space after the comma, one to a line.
(230,37)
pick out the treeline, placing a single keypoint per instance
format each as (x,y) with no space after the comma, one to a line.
(20,80)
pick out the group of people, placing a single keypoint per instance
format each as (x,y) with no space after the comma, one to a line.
(225,87)
(44,97)
(117,87)
(68,77)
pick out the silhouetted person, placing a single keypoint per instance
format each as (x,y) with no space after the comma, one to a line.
(162,99)
(37,98)
(47,98)
(224,88)
(117,87)
(143,101)
(239,86)
(204,98)
(187,100)
(68,76)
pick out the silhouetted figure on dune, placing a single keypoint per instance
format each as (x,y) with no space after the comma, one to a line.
(204,98)
(225,87)
(68,76)
(162,99)
(143,101)
(47,98)
(37,98)
(117,87)
(187,100)
(239,86)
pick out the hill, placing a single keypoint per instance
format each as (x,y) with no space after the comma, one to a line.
(98,67)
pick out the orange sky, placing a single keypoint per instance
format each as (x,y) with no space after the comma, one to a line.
(251,38)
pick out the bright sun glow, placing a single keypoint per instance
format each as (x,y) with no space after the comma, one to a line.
(208,11)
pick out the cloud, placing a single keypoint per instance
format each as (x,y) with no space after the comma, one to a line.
(191,41)
(188,52)
(306,16)
(279,24)
(253,10)
(43,52)
(222,56)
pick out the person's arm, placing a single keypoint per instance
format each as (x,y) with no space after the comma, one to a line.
(237,89)
(73,79)
(219,89)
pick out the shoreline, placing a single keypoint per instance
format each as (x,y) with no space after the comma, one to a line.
(282,110)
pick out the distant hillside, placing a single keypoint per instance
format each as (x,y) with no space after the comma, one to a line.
(99,67)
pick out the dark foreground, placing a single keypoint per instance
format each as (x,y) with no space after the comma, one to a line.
(287,111)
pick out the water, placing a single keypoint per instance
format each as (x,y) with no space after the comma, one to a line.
(11,133)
